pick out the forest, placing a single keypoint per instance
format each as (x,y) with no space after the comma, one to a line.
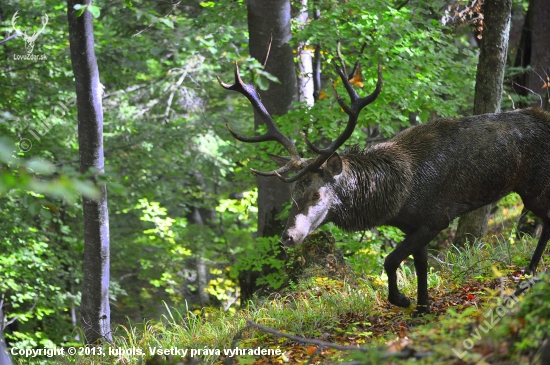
(149,214)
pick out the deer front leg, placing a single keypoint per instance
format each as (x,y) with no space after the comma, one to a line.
(414,243)
(421,267)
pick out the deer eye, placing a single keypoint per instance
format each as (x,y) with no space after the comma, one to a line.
(316,196)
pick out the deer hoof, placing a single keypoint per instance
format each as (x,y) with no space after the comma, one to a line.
(400,301)
(420,311)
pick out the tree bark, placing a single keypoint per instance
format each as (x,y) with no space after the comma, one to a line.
(95,311)
(305,61)
(540,51)
(268,18)
(534,51)
(523,58)
(488,94)
(4,356)
(272,18)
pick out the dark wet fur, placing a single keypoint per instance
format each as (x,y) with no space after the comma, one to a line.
(434,172)
(429,174)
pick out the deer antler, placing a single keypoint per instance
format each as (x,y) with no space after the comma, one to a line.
(45,19)
(36,33)
(274,134)
(25,35)
(13,22)
(357,104)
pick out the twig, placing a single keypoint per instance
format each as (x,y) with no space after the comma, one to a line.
(90,327)
(400,6)
(174,6)
(6,324)
(341,59)
(441,261)
(171,97)
(10,37)
(306,340)
(531,91)
(405,353)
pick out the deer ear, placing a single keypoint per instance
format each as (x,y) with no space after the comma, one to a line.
(279,160)
(333,165)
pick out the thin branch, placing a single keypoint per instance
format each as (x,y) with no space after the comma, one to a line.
(357,63)
(400,6)
(107,151)
(174,6)
(531,91)
(6,324)
(405,353)
(171,97)
(440,261)
(306,340)
(104,336)
(10,37)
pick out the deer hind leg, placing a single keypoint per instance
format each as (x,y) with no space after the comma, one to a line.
(532,267)
(543,240)
(414,243)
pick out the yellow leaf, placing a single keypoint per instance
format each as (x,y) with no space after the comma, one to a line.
(496,271)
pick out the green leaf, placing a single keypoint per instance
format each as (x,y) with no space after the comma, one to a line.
(80,9)
(167,22)
(95,10)
(41,166)
(262,83)
(207,4)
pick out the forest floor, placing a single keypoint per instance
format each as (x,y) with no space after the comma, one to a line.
(344,318)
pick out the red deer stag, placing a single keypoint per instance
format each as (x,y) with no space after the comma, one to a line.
(419,181)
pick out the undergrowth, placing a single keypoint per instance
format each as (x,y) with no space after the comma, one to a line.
(350,309)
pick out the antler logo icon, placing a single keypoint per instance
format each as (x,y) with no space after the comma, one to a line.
(29,40)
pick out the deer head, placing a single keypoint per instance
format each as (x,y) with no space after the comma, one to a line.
(29,40)
(312,192)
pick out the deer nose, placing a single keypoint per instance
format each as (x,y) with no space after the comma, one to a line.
(287,239)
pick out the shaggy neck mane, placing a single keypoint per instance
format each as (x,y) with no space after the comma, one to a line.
(372,186)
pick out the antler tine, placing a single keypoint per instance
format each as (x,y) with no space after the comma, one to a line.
(13,19)
(278,172)
(273,133)
(357,104)
(312,166)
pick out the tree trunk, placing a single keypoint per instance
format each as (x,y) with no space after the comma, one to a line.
(270,18)
(540,51)
(488,94)
(95,311)
(305,62)
(4,356)
(534,51)
(266,18)
(523,59)
(203,277)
